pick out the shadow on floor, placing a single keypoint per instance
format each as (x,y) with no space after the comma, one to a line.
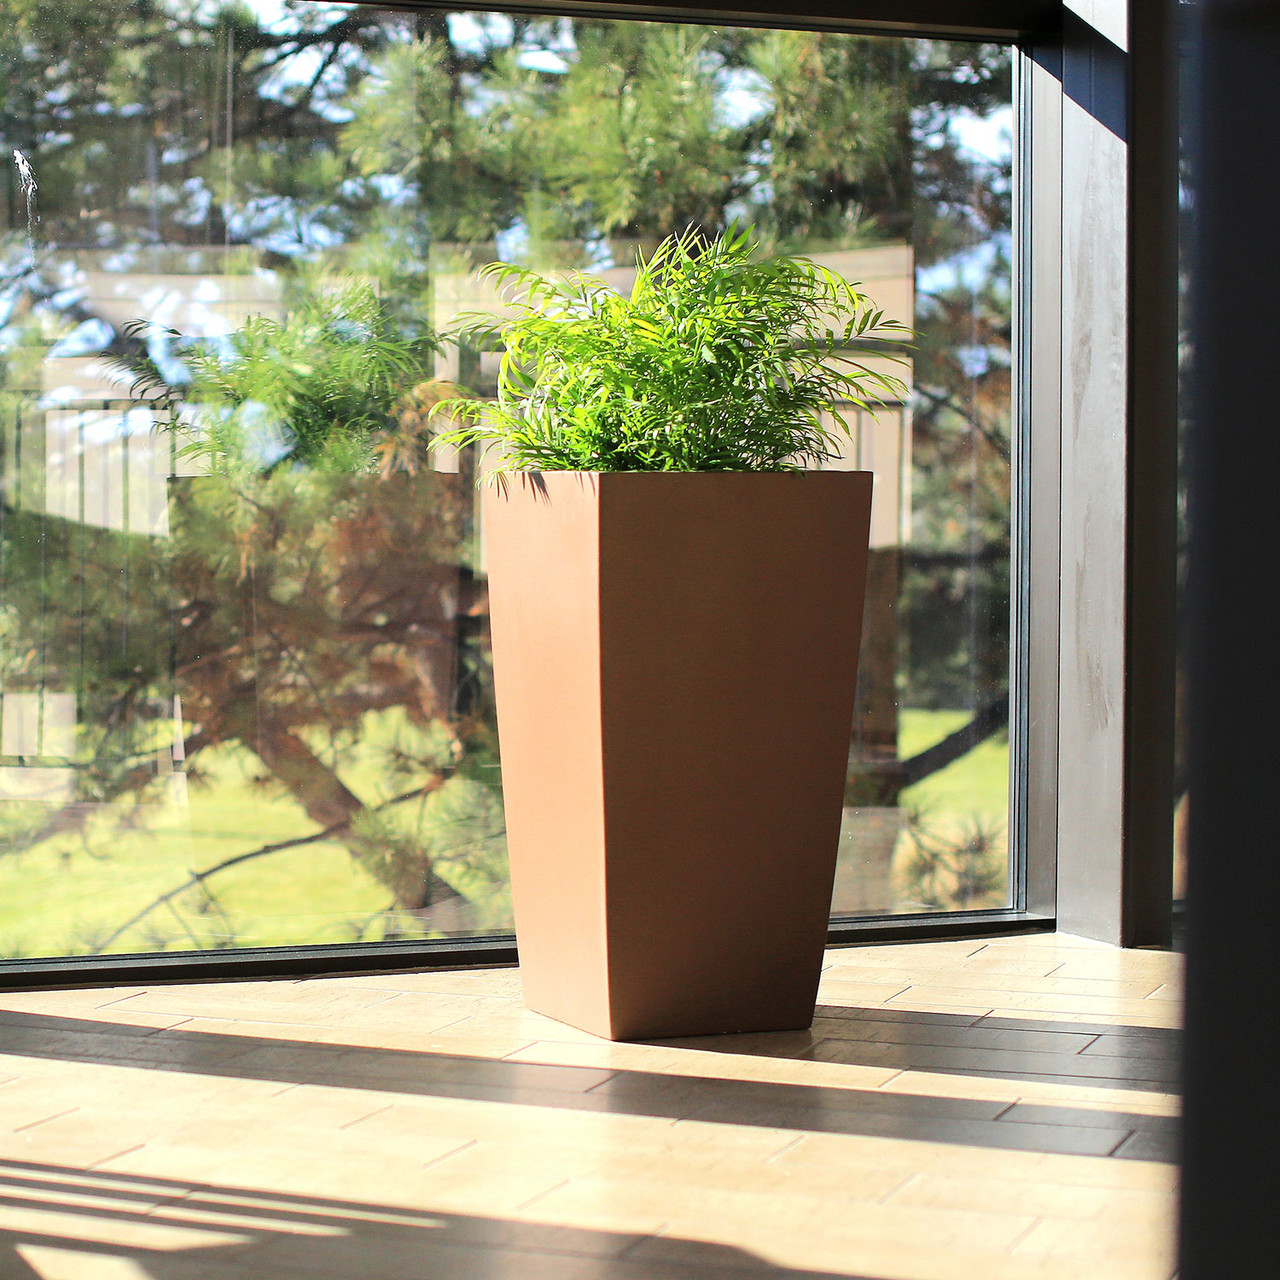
(168,1229)
(919,1115)
(1002,1048)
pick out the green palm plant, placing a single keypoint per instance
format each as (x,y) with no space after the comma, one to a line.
(717,361)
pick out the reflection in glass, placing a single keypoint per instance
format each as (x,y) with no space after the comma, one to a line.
(243,666)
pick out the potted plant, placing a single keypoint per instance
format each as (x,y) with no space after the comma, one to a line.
(676,607)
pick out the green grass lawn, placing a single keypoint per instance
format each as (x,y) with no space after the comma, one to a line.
(954,850)
(68,894)
(976,785)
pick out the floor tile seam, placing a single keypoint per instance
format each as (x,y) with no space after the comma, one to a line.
(517,1251)
(1014,983)
(983,1135)
(542,1195)
(871,1206)
(1134,1120)
(59,1115)
(465,1146)
(910,1043)
(185,1200)
(487,1252)
(874,1227)
(449,1091)
(1171,1053)
(70,1062)
(554,1117)
(479,1086)
(1001,1115)
(130,993)
(1139,1035)
(998,1180)
(105,1029)
(228,1010)
(835,1100)
(1093,1041)
(351,1124)
(85,1028)
(895,995)
(340,1024)
(786,1146)
(742,1084)
(385,997)
(1111,1258)
(1001,1179)
(453,1092)
(1019,1017)
(524,1048)
(1013,1244)
(213,1198)
(341,1077)
(1120,1084)
(889,1195)
(930,1082)
(1116,1149)
(1059,1127)
(1003,991)
(127,1151)
(999,1067)
(1107,1013)
(457,1022)
(612,1076)
(430,994)
(881,1256)
(722,1073)
(1090,1068)
(643,1238)
(1134,1137)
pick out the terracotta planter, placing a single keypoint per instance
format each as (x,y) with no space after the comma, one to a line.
(675,658)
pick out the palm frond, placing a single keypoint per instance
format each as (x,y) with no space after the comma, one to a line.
(715,361)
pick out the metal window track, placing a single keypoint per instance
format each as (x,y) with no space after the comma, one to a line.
(264,963)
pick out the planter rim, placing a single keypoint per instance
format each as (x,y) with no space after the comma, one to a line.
(497,476)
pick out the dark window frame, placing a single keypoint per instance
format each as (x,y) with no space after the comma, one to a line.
(1055,881)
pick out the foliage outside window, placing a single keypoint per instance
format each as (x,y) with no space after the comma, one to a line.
(249,705)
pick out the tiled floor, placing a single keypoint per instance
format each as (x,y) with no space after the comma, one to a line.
(998,1110)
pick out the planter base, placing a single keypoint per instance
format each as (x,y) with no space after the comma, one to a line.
(675,658)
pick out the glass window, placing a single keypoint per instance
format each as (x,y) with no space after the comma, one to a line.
(244,693)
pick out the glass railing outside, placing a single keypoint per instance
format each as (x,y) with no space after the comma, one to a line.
(244,672)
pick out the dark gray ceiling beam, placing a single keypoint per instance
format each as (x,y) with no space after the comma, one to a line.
(994,20)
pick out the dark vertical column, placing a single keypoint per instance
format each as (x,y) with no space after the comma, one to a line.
(1232,1066)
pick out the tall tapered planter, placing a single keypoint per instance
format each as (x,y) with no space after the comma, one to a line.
(675,657)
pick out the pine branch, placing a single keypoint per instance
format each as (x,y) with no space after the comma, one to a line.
(196,878)
(943,400)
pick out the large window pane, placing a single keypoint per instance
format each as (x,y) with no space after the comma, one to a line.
(244,694)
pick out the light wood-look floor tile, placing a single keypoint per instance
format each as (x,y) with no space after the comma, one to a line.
(968,1110)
